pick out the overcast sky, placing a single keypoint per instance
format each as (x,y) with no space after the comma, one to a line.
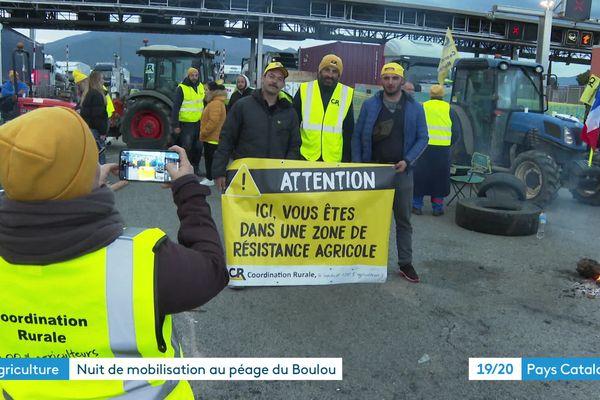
(45,36)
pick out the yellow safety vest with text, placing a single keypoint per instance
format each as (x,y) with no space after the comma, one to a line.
(439,124)
(101,304)
(321,130)
(193,103)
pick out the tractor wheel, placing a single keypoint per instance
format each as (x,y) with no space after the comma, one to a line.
(586,195)
(147,125)
(540,174)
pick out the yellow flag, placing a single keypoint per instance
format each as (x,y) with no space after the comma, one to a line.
(589,93)
(449,55)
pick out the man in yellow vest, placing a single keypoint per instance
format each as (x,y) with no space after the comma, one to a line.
(324,108)
(188,106)
(432,174)
(73,282)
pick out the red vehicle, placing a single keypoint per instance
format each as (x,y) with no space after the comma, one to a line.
(27,104)
(11,108)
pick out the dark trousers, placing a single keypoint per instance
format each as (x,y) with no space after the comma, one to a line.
(188,139)
(209,151)
(101,144)
(403,196)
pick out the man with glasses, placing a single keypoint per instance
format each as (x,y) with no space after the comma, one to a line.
(324,107)
(262,125)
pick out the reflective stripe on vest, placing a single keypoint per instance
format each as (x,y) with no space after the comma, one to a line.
(100,304)
(439,124)
(321,131)
(193,103)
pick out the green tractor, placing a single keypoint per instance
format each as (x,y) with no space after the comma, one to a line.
(501,105)
(147,119)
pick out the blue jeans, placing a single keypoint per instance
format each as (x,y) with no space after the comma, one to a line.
(101,144)
(188,139)
(437,203)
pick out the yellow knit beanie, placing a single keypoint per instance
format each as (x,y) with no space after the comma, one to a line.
(47,154)
(333,61)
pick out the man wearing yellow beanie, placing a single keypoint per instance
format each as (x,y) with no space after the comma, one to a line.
(432,174)
(324,107)
(186,115)
(391,129)
(73,281)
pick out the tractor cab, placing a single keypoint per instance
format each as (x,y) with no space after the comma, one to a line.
(147,119)
(165,66)
(500,104)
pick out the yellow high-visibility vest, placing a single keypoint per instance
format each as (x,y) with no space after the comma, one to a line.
(285,96)
(321,130)
(193,103)
(101,304)
(439,124)
(110,108)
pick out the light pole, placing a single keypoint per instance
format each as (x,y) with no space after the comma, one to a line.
(544,31)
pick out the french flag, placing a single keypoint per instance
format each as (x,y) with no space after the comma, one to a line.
(591,128)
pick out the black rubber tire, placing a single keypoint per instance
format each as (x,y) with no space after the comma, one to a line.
(498,217)
(536,165)
(162,117)
(502,183)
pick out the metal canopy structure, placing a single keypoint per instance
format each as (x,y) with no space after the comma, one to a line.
(360,21)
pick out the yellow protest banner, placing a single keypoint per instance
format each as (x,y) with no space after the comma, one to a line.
(589,93)
(449,55)
(290,222)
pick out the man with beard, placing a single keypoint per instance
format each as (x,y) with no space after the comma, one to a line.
(188,106)
(262,125)
(391,129)
(321,106)
(242,89)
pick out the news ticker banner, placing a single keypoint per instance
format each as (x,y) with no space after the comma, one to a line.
(192,369)
(289,222)
(534,369)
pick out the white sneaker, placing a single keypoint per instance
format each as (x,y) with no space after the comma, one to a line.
(207,182)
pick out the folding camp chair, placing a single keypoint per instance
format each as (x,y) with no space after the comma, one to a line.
(480,165)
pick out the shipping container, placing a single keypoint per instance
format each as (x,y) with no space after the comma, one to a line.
(362,62)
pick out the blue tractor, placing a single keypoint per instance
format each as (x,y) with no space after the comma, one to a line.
(501,105)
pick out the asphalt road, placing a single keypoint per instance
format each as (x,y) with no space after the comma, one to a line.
(480,296)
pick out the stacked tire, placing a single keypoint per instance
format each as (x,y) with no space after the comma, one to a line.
(500,209)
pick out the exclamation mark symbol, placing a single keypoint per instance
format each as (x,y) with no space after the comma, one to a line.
(243,181)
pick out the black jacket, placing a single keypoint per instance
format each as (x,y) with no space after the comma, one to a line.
(93,111)
(252,129)
(236,95)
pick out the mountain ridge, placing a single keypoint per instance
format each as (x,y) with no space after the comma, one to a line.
(93,47)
